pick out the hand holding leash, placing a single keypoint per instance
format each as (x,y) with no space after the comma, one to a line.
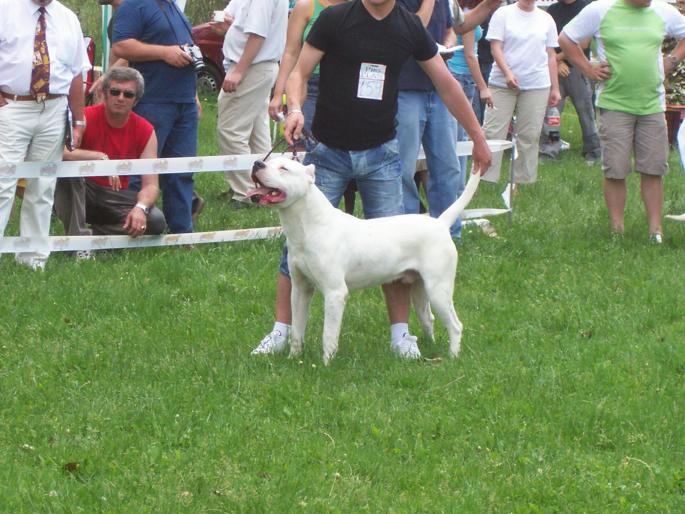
(294,123)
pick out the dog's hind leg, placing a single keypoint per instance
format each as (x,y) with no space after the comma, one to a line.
(441,300)
(334,306)
(422,307)
(300,298)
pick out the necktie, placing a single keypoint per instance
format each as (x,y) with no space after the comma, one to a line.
(40,73)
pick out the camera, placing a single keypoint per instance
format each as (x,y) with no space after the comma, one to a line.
(196,55)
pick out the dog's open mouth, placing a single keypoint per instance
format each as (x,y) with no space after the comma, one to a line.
(265,195)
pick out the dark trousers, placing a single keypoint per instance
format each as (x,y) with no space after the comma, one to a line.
(578,88)
(106,211)
(70,198)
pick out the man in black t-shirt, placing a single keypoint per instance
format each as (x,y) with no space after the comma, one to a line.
(361,47)
(572,83)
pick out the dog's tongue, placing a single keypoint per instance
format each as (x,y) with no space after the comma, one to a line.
(265,195)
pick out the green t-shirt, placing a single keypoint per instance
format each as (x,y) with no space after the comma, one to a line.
(629,39)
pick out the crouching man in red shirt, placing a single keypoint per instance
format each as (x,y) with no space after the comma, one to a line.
(113,131)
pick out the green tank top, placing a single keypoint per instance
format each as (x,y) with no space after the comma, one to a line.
(316,10)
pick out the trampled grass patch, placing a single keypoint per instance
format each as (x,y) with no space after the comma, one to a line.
(126,383)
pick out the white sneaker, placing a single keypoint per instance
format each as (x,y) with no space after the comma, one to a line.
(274,342)
(34,263)
(406,347)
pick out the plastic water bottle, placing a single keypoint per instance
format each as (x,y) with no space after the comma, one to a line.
(552,124)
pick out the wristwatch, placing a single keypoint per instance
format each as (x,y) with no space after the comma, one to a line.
(79,123)
(143,208)
(673,60)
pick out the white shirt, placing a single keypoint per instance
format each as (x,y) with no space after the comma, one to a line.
(68,57)
(525,37)
(265,18)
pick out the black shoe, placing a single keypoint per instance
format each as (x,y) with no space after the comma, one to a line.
(235,204)
(197,206)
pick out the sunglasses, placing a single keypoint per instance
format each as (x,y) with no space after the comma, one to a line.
(113,91)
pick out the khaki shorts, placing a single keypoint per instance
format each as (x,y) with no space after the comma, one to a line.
(622,134)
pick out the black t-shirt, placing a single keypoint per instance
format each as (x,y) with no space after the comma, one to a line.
(484,52)
(562,13)
(359,72)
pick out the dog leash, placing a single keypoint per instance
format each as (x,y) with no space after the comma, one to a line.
(289,147)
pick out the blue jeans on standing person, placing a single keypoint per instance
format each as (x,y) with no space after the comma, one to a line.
(308,111)
(376,172)
(478,106)
(469,87)
(176,131)
(423,119)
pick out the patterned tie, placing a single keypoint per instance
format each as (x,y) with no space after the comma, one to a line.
(40,74)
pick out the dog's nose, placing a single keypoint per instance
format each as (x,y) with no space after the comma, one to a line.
(258,165)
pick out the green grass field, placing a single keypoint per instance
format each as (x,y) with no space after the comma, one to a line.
(126,384)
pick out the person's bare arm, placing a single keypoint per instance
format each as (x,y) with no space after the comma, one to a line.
(454,98)
(235,76)
(136,219)
(149,183)
(76,104)
(299,17)
(83,155)
(554,94)
(469,42)
(426,11)
(296,91)
(137,51)
(574,54)
(498,56)
(476,16)
(90,155)
(678,53)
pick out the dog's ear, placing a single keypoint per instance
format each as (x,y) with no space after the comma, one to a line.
(310,172)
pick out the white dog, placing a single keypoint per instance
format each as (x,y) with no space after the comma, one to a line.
(335,253)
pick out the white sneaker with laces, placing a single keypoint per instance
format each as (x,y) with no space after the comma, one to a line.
(275,342)
(406,347)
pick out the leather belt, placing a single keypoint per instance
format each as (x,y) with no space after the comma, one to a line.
(26,98)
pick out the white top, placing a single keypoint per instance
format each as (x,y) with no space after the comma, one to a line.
(67,50)
(265,18)
(525,37)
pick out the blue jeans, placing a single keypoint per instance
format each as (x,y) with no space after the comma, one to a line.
(422,118)
(469,87)
(377,174)
(478,106)
(308,111)
(176,130)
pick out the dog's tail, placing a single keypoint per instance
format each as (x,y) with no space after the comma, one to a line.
(454,211)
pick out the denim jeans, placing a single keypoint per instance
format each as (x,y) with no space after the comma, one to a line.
(376,172)
(308,111)
(422,119)
(478,106)
(469,87)
(176,130)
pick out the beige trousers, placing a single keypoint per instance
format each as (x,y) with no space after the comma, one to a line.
(529,107)
(243,122)
(31,131)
